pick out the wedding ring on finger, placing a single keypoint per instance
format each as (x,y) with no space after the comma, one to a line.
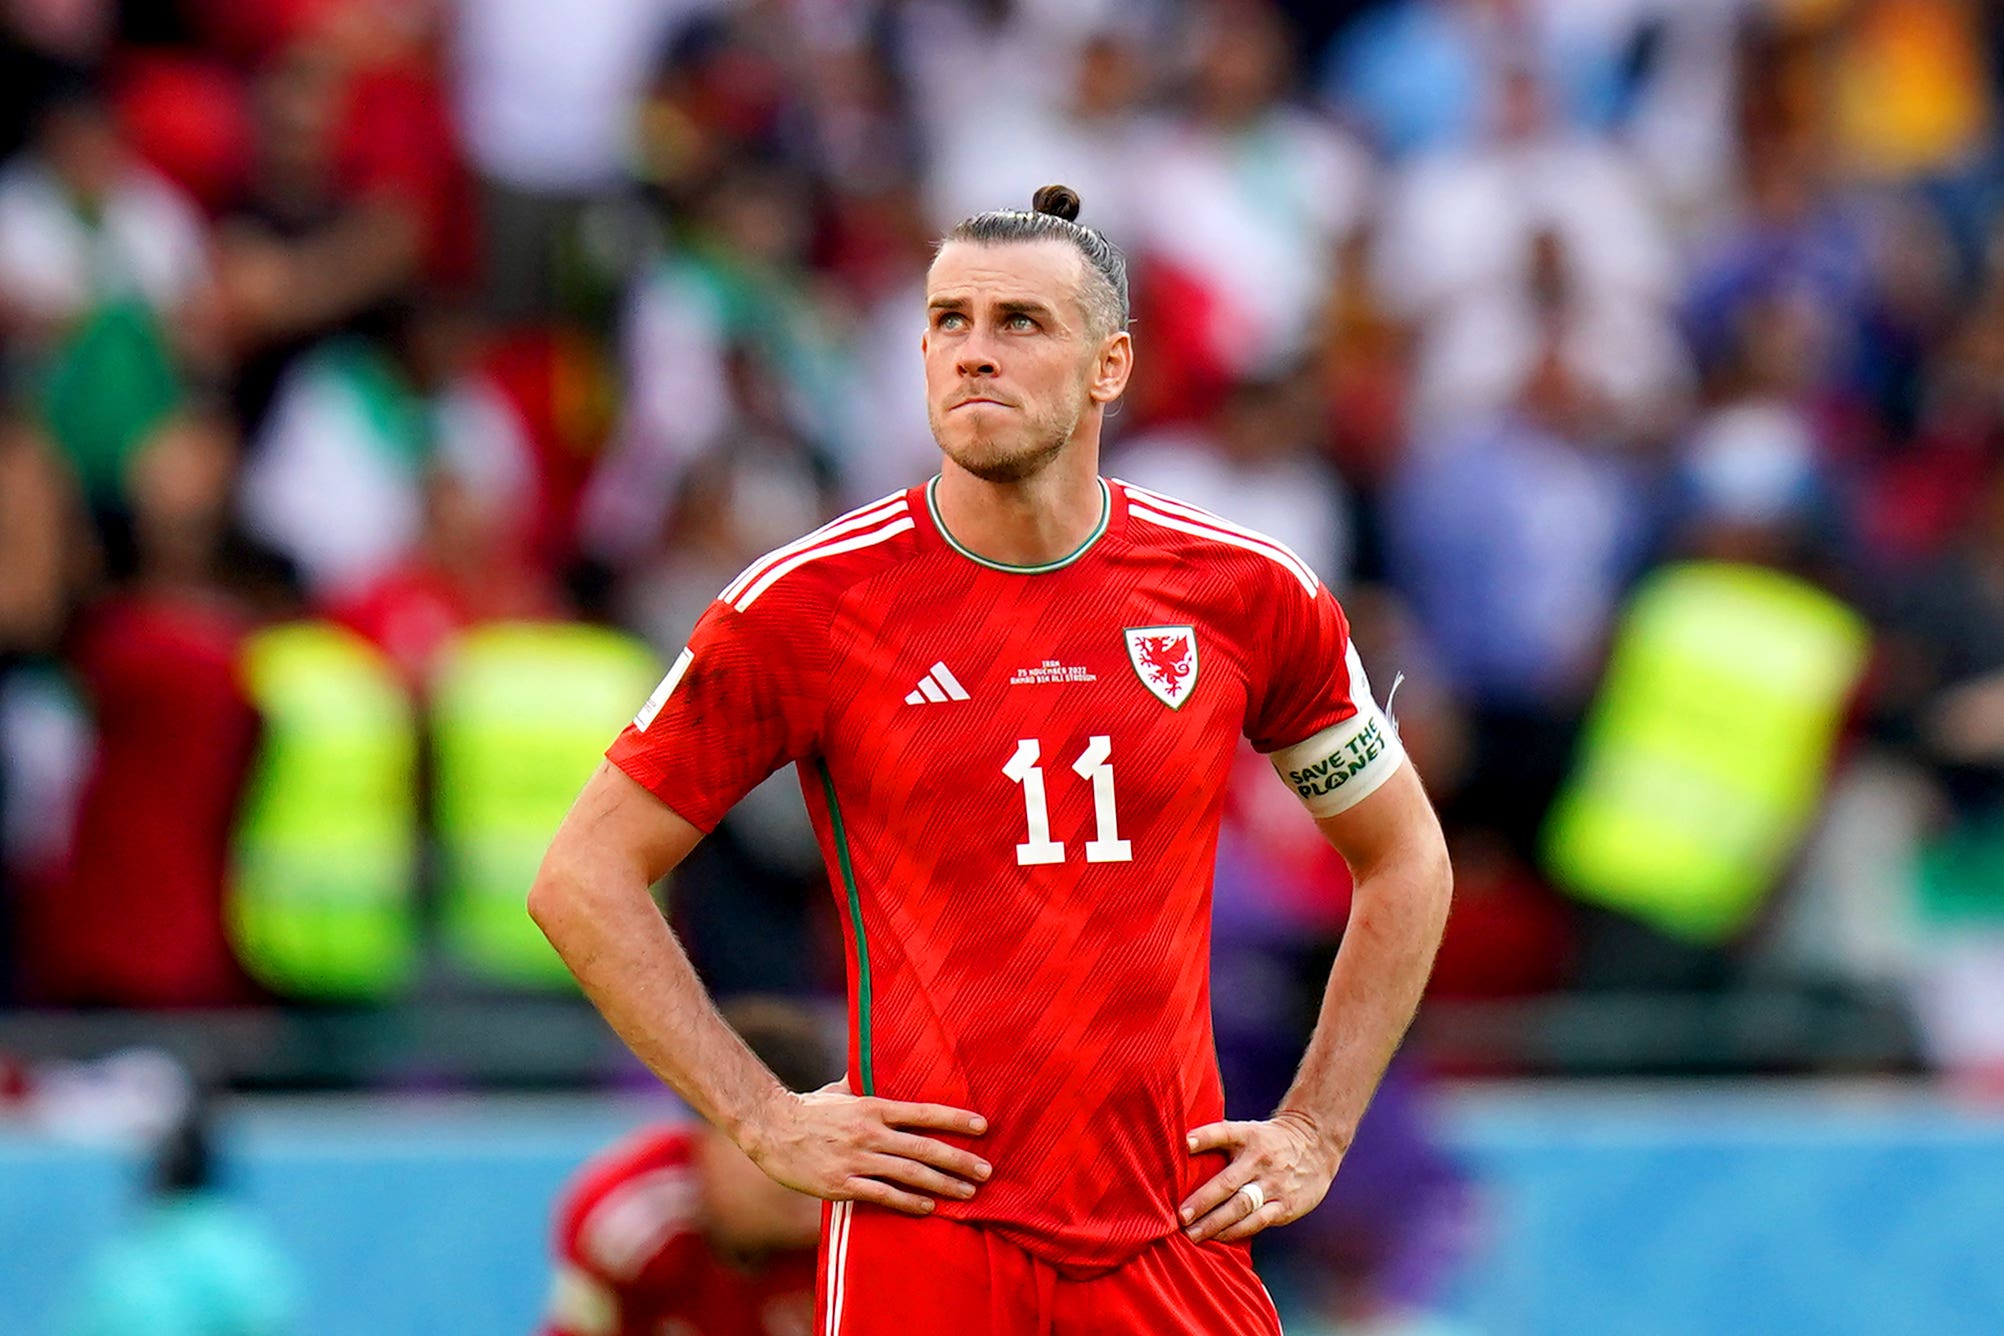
(1255,1196)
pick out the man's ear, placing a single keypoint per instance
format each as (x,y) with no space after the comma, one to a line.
(1115,365)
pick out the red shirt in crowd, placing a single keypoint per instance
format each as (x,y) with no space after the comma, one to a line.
(139,919)
(632,1259)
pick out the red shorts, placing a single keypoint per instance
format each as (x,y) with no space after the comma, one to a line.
(887,1274)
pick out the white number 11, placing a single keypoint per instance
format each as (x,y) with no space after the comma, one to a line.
(1093,764)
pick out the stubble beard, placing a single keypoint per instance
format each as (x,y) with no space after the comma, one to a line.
(989,456)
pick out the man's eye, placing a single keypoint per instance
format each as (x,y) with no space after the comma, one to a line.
(1019,321)
(951,320)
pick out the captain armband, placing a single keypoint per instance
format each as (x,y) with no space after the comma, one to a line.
(1347,761)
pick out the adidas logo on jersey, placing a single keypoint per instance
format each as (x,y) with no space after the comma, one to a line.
(937,685)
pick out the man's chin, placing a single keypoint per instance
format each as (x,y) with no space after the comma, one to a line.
(999,466)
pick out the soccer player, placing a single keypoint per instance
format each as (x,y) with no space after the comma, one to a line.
(1012,695)
(674,1230)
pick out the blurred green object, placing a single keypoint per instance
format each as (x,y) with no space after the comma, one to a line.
(397,415)
(522,712)
(1961,875)
(321,899)
(1707,750)
(109,385)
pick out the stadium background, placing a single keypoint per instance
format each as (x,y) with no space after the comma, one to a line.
(388,384)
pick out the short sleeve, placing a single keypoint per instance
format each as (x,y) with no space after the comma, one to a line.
(621,1248)
(740,701)
(1312,710)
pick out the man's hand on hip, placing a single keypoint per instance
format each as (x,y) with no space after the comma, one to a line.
(838,1146)
(1280,1169)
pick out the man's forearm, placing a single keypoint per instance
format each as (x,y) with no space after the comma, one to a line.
(1396,917)
(606,927)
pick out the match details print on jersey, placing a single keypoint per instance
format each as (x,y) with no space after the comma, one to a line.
(1017,776)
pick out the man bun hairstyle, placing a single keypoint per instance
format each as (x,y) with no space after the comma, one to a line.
(1053,216)
(1057,201)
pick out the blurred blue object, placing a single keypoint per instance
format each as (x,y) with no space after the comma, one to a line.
(1772,1210)
(1422,75)
(191,1266)
(1633,1209)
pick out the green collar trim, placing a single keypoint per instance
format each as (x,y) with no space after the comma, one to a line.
(1099,532)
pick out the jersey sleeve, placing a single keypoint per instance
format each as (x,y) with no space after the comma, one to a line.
(625,1236)
(1312,710)
(743,699)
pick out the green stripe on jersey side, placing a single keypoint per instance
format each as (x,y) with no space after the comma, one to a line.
(1099,532)
(869,1073)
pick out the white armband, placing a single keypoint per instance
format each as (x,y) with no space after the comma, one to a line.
(1347,761)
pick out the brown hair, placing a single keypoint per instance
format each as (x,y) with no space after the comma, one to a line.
(786,1037)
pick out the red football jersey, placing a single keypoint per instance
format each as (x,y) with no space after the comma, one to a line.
(632,1259)
(1017,776)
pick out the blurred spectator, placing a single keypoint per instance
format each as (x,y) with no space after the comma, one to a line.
(1750,484)
(1954,646)
(189,116)
(1460,223)
(1623,346)
(1245,196)
(1797,238)
(1000,66)
(138,920)
(1090,137)
(733,506)
(751,902)
(881,250)
(1421,73)
(36,528)
(732,89)
(1260,464)
(1925,494)
(1362,363)
(1947,686)
(336,482)
(1514,536)
(83,223)
(192,1263)
(732,309)
(864,138)
(1912,99)
(43,47)
(546,98)
(357,199)
(676,1229)
(38,752)
(468,565)
(1682,112)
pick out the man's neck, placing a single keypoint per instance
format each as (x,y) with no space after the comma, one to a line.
(1034,522)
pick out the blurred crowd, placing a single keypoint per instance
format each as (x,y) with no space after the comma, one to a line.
(1632,369)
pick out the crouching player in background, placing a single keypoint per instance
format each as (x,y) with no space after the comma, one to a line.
(675,1230)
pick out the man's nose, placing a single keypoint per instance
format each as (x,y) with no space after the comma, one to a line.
(976,358)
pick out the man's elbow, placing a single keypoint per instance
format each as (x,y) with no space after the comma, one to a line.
(558,889)
(1437,876)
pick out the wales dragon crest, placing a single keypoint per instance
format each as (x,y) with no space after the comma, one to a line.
(1165,658)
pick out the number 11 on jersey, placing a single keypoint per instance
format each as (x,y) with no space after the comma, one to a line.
(1094,765)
